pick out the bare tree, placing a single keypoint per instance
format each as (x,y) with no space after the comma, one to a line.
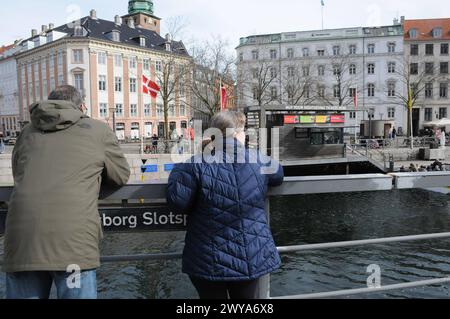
(414,77)
(176,26)
(259,80)
(346,81)
(212,66)
(298,84)
(174,72)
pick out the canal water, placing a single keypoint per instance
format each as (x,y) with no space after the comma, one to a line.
(309,219)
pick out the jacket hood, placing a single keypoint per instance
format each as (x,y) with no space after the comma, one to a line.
(51,116)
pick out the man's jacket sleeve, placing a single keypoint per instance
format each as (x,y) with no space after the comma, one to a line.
(182,188)
(117,169)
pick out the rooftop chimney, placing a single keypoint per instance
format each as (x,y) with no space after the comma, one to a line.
(34,32)
(51,26)
(402,19)
(44,28)
(118,20)
(93,14)
(131,23)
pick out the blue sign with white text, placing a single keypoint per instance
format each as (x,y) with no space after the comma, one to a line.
(168,167)
(149,168)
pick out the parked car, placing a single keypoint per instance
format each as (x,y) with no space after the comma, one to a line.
(11,141)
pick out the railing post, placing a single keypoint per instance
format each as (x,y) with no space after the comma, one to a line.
(264,291)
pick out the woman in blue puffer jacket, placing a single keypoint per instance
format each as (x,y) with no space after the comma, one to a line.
(229,245)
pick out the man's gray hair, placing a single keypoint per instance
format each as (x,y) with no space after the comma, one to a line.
(66,93)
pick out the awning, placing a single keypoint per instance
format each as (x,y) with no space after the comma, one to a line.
(440,123)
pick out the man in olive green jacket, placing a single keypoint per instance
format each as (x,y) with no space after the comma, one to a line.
(53,228)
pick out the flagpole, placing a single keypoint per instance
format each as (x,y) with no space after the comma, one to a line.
(322,15)
(356,113)
(221,96)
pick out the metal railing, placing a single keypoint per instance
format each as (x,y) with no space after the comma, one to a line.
(305,185)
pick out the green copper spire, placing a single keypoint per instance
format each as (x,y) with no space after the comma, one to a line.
(140,7)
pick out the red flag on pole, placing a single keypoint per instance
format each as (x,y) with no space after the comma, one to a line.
(355,99)
(224,98)
(150,87)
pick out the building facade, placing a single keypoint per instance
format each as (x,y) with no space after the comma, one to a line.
(427,53)
(107,61)
(326,68)
(9,93)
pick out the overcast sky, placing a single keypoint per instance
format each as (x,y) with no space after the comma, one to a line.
(231,19)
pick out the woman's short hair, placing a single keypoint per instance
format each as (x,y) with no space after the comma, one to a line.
(228,122)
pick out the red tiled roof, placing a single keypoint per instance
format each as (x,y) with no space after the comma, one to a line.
(5,48)
(425,28)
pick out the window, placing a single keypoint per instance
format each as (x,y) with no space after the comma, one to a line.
(118,60)
(352,115)
(241,57)
(255,54)
(118,84)
(391,47)
(391,89)
(429,68)
(444,67)
(371,68)
(391,112)
(78,31)
(79,82)
(273,54)
(321,70)
(103,110)
(352,49)
(60,59)
(305,70)
(429,49)
(391,67)
(147,110)
(336,70)
(77,56)
(415,89)
(290,53)
(414,49)
(321,52)
(160,110)
(444,49)
(321,91)
(443,90)
(336,50)
(255,73)
(255,93)
(442,113)
(158,66)
(413,33)
(414,68)
(119,109)
(352,92)
(101,58)
(102,82)
(336,91)
(182,109)
(133,86)
(437,33)
(352,69)
(273,72)
(429,90)
(133,63)
(290,71)
(428,114)
(274,93)
(143,42)
(371,49)
(371,90)
(305,52)
(171,110)
(146,64)
(133,110)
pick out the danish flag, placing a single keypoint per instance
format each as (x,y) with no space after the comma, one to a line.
(150,87)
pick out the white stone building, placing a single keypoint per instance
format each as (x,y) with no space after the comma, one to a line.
(328,67)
